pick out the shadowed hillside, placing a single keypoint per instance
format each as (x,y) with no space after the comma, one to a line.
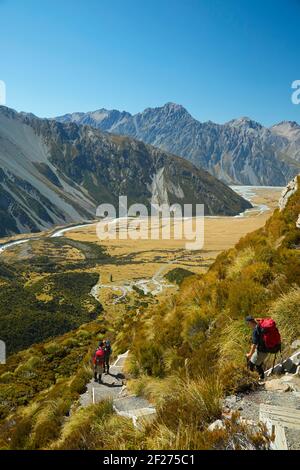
(45,290)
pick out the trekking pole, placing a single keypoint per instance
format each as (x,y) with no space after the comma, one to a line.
(274,363)
(281,357)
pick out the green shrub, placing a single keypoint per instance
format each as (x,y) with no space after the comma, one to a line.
(21,434)
(52,348)
(243,258)
(178,275)
(194,328)
(259,272)
(246,297)
(6,377)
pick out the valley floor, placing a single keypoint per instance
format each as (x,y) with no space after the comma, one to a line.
(142,264)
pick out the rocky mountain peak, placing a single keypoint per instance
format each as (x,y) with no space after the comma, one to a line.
(168,110)
(289,124)
(245,122)
(173,107)
(241,151)
(288,129)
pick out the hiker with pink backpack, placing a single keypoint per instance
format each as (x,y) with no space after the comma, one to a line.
(265,340)
(99,362)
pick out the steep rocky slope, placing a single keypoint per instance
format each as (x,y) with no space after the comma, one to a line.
(53,173)
(290,131)
(241,151)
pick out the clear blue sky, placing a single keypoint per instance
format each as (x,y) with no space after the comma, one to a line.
(219,58)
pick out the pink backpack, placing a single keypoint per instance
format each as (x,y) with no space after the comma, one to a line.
(270,335)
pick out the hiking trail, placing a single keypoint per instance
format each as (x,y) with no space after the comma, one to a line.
(112,388)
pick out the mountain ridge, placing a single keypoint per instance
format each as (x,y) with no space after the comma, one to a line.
(55,173)
(241,151)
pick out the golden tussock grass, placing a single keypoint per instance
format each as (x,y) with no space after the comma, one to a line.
(286,313)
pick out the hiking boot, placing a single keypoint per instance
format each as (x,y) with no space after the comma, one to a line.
(261,372)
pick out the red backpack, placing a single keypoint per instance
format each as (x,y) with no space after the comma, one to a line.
(270,335)
(99,356)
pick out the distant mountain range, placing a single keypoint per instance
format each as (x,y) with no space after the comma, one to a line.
(241,151)
(56,173)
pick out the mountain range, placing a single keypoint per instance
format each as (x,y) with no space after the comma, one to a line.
(241,151)
(55,173)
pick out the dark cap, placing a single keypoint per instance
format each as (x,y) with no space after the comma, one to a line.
(249,318)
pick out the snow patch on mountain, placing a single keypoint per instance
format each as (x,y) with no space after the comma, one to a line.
(159,188)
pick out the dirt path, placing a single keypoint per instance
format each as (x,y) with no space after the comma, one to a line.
(155,285)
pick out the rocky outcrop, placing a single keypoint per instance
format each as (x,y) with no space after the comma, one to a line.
(241,151)
(288,191)
(287,383)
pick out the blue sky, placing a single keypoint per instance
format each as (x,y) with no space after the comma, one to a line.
(221,59)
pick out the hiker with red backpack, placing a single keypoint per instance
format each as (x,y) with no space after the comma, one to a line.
(265,340)
(98,362)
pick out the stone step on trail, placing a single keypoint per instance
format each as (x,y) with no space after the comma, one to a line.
(120,362)
(136,408)
(109,388)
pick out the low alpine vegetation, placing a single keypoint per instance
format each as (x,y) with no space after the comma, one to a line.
(186,353)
